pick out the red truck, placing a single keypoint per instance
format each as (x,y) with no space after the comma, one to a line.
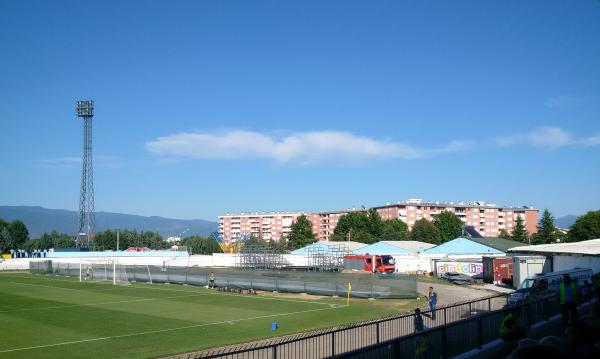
(383,264)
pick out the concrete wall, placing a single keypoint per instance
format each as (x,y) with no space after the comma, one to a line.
(569,262)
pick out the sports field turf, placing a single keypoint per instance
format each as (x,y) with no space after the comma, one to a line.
(59,317)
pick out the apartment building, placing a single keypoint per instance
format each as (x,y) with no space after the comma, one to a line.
(269,226)
(487,218)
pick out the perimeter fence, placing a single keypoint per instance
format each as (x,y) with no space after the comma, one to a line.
(364,285)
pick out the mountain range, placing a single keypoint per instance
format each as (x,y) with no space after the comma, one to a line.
(39,220)
(566,221)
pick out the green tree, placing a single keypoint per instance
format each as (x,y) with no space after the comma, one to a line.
(546,231)
(363,226)
(519,233)
(375,224)
(394,230)
(107,240)
(55,239)
(585,227)
(425,231)
(504,234)
(301,233)
(449,225)
(5,241)
(201,245)
(18,233)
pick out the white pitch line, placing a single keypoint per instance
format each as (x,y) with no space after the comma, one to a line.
(165,330)
(95,304)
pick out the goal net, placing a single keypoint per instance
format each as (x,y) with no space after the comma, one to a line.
(103,270)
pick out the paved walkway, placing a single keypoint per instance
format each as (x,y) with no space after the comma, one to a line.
(452,293)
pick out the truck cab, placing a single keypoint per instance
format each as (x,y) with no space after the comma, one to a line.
(370,263)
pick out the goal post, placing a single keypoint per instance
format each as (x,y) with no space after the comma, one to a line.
(103,270)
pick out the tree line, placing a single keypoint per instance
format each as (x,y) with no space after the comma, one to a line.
(15,236)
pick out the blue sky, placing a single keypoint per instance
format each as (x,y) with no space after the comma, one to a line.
(212,107)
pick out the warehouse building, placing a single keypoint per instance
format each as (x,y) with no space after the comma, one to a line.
(564,256)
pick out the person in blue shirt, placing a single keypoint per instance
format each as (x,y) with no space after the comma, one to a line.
(568,299)
(432,299)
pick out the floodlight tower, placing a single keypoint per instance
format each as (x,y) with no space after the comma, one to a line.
(86,219)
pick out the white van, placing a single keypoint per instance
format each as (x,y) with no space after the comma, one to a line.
(541,285)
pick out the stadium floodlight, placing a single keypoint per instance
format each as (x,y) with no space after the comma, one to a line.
(86,217)
(85,108)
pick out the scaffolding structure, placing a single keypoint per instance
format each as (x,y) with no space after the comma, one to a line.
(330,258)
(259,256)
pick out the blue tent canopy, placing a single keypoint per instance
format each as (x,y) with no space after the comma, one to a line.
(382,248)
(461,246)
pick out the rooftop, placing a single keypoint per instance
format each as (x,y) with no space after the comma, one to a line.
(591,247)
(500,244)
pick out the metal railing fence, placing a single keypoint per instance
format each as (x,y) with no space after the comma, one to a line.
(455,338)
(343,339)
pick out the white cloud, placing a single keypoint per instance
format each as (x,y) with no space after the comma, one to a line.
(306,147)
(591,141)
(545,137)
(561,101)
(67,162)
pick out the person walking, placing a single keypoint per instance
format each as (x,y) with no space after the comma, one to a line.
(432,299)
(418,322)
(568,299)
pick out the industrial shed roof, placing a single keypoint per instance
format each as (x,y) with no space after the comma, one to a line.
(500,244)
(394,247)
(591,247)
(327,245)
(462,246)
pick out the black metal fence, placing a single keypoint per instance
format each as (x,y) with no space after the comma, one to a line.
(350,338)
(455,338)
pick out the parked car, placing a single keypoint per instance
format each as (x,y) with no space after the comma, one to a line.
(457,278)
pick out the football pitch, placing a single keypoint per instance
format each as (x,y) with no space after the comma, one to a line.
(59,317)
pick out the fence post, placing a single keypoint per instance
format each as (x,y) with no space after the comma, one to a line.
(377,331)
(274,356)
(134,278)
(444,343)
(445,318)
(489,304)
(396,349)
(470,308)
(479,333)
(332,343)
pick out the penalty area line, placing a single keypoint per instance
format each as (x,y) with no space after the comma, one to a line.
(167,330)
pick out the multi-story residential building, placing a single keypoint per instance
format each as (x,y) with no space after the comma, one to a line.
(323,223)
(270,225)
(487,218)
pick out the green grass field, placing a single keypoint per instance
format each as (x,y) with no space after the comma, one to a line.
(58,317)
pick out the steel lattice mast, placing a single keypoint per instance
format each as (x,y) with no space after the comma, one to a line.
(86,218)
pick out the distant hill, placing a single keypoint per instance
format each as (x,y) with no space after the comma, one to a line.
(40,220)
(566,221)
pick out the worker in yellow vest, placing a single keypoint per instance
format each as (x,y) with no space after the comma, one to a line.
(510,328)
(568,299)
